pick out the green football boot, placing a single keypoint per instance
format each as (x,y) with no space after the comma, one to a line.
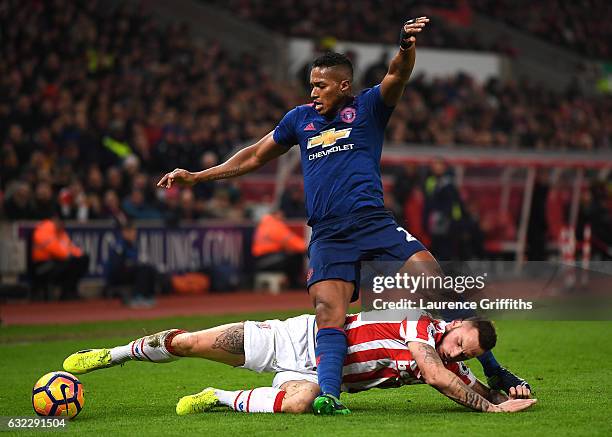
(327,405)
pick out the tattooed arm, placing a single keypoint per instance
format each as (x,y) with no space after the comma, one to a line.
(446,382)
(493,396)
(244,161)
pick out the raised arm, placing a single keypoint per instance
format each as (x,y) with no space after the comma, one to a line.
(446,382)
(244,161)
(400,68)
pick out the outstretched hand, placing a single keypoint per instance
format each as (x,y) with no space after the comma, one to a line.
(177,175)
(412,27)
(519,392)
(514,405)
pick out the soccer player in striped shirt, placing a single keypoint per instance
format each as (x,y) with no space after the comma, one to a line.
(380,355)
(340,136)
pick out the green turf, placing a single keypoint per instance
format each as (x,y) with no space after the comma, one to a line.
(567,362)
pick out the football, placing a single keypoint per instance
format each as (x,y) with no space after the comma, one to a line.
(58,394)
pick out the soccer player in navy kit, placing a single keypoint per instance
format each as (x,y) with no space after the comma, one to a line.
(340,138)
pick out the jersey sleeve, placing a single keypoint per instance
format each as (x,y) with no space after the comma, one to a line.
(421,330)
(284,132)
(462,371)
(377,108)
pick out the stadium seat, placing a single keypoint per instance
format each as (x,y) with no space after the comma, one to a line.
(271,281)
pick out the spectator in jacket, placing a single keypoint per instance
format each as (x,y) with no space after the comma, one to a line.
(124,268)
(56,259)
(277,248)
(443,211)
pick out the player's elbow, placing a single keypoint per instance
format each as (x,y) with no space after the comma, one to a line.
(430,380)
(433,377)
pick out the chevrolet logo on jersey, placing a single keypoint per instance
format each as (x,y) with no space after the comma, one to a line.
(328,137)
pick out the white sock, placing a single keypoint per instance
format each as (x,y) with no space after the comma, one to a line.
(258,400)
(153,348)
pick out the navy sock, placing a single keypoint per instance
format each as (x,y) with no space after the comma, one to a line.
(330,353)
(489,363)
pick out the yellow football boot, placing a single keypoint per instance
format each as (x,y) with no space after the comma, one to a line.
(197,403)
(88,360)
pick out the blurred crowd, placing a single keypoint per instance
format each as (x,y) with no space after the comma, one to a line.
(96,104)
(459,110)
(582,26)
(455,222)
(375,21)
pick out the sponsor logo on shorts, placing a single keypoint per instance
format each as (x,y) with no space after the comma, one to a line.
(263,325)
(309,274)
(409,236)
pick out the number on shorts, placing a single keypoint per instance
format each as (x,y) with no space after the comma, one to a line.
(409,236)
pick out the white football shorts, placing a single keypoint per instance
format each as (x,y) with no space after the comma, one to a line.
(282,346)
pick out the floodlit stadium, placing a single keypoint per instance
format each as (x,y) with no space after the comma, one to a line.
(288,208)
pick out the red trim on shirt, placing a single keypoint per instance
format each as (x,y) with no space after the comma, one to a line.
(421,328)
(373,331)
(378,354)
(374,374)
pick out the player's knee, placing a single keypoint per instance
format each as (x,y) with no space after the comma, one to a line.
(301,402)
(296,406)
(434,270)
(331,299)
(328,314)
(423,263)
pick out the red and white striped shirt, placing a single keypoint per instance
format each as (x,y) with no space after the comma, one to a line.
(378,354)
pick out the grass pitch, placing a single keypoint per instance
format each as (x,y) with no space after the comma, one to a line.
(568,363)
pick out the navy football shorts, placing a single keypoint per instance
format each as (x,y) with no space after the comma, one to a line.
(338,246)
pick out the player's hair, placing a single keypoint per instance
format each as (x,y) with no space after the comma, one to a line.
(333,59)
(487,337)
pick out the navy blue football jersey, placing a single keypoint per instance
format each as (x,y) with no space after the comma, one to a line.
(340,156)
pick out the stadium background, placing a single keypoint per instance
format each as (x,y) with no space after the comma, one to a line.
(99,99)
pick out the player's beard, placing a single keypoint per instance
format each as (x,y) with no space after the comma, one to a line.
(441,341)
